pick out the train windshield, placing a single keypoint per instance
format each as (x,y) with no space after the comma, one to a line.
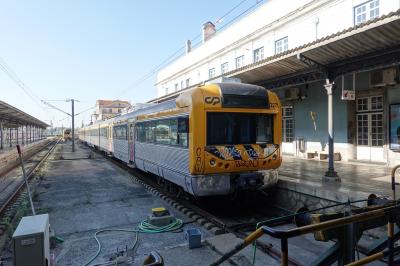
(239,128)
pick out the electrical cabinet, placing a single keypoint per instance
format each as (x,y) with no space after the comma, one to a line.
(31,241)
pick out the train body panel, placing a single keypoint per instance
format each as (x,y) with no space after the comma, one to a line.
(211,140)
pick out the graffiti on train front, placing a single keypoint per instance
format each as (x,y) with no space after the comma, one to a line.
(239,153)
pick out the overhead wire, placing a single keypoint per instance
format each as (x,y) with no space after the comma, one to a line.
(14,77)
(178,52)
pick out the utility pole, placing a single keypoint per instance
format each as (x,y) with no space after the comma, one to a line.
(73,124)
(72,115)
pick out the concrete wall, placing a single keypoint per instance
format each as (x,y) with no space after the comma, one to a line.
(345,120)
(317,137)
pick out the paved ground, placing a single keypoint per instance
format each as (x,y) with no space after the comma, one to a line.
(357,180)
(84,193)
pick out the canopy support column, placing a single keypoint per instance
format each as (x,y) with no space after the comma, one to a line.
(331,174)
(10,136)
(1,135)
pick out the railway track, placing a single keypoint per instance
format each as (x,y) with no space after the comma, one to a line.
(209,217)
(12,186)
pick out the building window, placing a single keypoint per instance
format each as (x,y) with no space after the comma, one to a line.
(176,86)
(181,84)
(239,61)
(187,83)
(281,45)
(258,54)
(224,68)
(287,124)
(370,127)
(211,73)
(366,11)
(166,90)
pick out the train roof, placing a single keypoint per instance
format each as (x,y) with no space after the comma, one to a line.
(225,90)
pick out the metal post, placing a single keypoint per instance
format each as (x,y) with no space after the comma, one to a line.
(331,174)
(17,129)
(284,252)
(10,136)
(1,135)
(73,125)
(23,136)
(26,179)
(390,235)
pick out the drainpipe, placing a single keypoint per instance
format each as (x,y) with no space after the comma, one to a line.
(331,174)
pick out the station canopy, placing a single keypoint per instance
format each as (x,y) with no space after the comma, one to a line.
(13,117)
(339,50)
(349,47)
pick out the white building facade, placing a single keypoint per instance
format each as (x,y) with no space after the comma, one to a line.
(276,26)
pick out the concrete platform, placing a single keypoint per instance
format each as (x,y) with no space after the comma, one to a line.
(9,155)
(358,180)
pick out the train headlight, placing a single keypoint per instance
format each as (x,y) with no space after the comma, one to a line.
(270,177)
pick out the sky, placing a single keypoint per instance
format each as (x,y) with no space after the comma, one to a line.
(94,49)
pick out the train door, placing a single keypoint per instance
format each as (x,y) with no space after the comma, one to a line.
(98,137)
(132,142)
(109,138)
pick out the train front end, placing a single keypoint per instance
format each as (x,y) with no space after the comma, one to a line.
(235,138)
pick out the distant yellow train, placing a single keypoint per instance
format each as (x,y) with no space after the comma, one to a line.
(212,140)
(67,134)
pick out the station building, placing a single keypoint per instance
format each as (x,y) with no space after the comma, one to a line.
(300,49)
(106,109)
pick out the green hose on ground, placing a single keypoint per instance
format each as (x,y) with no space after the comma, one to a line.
(144,227)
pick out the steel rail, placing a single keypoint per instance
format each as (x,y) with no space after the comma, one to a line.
(30,174)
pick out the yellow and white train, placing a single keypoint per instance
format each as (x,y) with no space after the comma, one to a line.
(212,140)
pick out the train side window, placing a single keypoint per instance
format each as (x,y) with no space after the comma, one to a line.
(163,132)
(120,132)
(124,132)
(149,129)
(141,133)
(264,129)
(173,124)
(183,131)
